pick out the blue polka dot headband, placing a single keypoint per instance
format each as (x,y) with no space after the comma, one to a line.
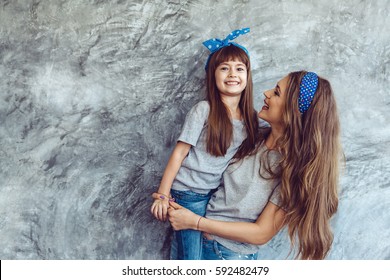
(216,44)
(307,89)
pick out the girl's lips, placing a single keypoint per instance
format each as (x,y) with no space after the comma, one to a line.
(232,83)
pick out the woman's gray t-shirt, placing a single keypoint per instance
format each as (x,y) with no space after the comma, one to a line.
(243,197)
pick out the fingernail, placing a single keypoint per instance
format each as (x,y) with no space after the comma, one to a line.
(162,197)
(171,199)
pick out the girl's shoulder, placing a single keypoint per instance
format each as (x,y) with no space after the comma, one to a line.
(203,104)
(201,108)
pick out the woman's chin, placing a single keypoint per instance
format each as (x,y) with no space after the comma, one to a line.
(262,115)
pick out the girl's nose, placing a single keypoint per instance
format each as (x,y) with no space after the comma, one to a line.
(232,73)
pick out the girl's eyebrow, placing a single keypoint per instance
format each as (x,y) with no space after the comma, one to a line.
(238,64)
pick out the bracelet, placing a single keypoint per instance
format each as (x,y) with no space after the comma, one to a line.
(197,225)
(163,196)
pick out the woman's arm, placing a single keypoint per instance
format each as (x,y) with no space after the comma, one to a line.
(269,222)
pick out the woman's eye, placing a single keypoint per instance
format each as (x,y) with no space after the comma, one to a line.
(241,69)
(276,93)
(224,68)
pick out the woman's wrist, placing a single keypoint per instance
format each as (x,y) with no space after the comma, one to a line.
(198,222)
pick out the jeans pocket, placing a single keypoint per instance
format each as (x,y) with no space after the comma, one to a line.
(189,196)
(195,202)
(208,250)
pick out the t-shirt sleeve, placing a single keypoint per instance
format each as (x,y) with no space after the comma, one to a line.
(275,196)
(194,123)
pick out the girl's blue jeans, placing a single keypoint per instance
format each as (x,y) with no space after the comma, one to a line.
(187,244)
(212,250)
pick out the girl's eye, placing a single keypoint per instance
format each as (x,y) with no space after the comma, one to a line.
(224,68)
(241,69)
(276,93)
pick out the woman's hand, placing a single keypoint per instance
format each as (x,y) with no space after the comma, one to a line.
(182,218)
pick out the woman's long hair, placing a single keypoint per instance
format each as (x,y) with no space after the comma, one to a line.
(311,150)
(220,127)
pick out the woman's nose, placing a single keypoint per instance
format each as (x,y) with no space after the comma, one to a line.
(266,94)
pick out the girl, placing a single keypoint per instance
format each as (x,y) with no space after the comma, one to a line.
(215,130)
(291,179)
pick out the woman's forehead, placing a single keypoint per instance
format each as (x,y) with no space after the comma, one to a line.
(283,83)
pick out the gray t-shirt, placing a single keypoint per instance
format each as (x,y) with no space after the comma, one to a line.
(243,197)
(201,172)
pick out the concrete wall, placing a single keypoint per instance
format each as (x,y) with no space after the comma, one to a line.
(93,95)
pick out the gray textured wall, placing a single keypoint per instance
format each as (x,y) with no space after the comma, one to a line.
(93,95)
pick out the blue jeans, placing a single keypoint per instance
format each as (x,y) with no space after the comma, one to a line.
(187,244)
(212,250)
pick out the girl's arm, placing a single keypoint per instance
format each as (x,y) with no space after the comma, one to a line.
(161,204)
(269,222)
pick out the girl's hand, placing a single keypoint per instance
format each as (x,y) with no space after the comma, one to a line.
(182,218)
(160,206)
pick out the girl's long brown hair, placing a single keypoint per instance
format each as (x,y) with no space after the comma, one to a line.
(220,128)
(311,150)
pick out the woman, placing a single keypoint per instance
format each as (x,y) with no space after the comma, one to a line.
(290,180)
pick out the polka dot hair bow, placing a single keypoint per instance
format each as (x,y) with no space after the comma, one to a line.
(307,89)
(216,44)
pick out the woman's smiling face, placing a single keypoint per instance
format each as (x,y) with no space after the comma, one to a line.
(274,103)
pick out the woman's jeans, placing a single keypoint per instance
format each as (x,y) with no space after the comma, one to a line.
(212,250)
(187,244)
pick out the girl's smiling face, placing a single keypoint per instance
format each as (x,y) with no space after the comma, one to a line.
(231,77)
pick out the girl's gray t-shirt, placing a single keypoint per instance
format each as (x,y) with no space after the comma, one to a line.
(201,172)
(243,197)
